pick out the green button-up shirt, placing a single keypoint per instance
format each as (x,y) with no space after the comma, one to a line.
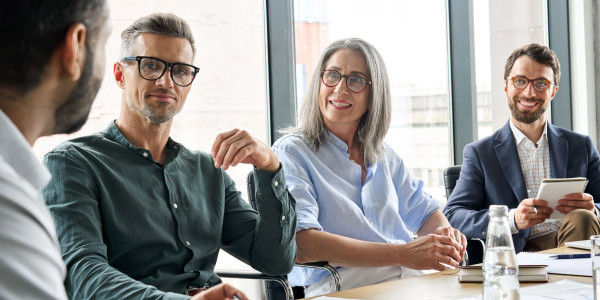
(131,228)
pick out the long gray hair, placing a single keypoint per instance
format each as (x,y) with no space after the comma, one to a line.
(373,125)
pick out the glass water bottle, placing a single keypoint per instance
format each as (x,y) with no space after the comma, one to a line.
(499,263)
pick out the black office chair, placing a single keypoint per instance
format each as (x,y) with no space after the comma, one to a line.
(475,246)
(277,287)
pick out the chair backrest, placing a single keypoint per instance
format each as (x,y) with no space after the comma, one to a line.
(450,177)
(251,189)
(475,246)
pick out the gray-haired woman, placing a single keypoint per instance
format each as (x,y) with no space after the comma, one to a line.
(356,202)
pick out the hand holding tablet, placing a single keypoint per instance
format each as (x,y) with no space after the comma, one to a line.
(554,189)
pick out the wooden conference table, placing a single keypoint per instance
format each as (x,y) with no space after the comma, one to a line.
(440,285)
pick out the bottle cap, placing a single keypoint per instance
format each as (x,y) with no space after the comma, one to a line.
(498,210)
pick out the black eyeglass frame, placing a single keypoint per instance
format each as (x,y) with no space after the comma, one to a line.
(532,81)
(168,65)
(342,77)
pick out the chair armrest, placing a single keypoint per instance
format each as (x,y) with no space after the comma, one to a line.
(478,257)
(243,274)
(325,266)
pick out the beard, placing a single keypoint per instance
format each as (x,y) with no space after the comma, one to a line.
(164,112)
(73,114)
(526,117)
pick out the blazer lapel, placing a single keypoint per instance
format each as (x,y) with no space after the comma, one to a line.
(508,158)
(559,152)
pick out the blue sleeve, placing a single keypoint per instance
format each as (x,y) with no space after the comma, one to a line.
(300,185)
(414,205)
(593,171)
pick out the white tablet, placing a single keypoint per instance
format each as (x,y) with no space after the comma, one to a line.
(554,189)
(585,244)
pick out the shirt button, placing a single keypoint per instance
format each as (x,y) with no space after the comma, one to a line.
(145,154)
(187,243)
(175,205)
(276,183)
(282,218)
(371,222)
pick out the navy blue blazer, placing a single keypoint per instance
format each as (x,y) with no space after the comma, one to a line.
(491,174)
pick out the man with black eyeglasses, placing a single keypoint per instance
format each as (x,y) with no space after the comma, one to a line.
(507,167)
(140,216)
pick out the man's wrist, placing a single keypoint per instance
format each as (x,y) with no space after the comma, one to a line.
(272,167)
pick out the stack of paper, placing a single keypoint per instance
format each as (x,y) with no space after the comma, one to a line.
(578,266)
(563,289)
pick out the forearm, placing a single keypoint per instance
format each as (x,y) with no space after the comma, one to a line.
(315,245)
(435,220)
(92,278)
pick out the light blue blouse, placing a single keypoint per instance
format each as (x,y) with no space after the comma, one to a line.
(330,196)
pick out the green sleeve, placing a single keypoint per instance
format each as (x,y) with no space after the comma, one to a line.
(71,197)
(267,240)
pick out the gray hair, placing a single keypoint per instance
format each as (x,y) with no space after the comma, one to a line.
(373,125)
(159,23)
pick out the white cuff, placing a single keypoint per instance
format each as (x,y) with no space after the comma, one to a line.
(511,221)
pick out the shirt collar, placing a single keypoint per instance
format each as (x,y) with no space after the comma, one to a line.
(519,136)
(17,153)
(115,134)
(337,142)
(342,146)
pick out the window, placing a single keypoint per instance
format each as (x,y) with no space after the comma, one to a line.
(411,37)
(499,29)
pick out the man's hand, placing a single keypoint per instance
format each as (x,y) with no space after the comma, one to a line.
(526,216)
(574,201)
(237,146)
(457,236)
(222,291)
(430,251)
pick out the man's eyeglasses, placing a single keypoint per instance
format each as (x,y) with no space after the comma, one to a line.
(521,82)
(152,68)
(354,83)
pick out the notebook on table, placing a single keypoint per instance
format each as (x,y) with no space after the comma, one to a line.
(527,273)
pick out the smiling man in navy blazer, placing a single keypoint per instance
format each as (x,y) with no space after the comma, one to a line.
(508,166)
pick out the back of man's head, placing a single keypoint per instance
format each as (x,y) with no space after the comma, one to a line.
(33,29)
(166,24)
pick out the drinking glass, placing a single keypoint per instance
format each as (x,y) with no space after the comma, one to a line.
(596,264)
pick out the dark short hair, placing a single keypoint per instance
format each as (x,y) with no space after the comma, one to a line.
(540,54)
(31,31)
(166,24)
